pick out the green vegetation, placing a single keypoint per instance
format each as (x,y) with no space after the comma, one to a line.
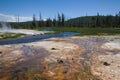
(86,31)
(7,35)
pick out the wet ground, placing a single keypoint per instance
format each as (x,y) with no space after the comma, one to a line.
(71,58)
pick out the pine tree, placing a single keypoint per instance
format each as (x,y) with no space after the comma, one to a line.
(97,20)
(49,23)
(34,23)
(54,22)
(119,19)
(63,19)
(59,20)
(40,21)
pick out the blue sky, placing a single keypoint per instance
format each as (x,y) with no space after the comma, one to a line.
(50,8)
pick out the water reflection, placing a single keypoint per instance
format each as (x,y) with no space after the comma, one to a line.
(35,38)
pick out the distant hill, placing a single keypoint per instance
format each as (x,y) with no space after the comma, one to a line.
(95,21)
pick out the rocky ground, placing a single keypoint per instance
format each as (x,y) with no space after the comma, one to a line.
(71,58)
(107,65)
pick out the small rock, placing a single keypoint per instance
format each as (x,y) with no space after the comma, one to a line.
(0,52)
(65,71)
(44,67)
(53,49)
(72,58)
(60,61)
(106,64)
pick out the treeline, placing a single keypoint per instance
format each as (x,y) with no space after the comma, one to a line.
(55,22)
(61,21)
(96,21)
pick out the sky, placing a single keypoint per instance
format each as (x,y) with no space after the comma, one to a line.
(50,8)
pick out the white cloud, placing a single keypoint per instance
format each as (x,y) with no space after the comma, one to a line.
(11,18)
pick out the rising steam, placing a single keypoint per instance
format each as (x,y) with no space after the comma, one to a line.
(5,27)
